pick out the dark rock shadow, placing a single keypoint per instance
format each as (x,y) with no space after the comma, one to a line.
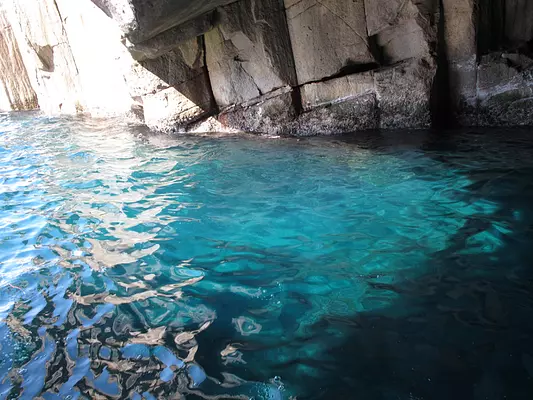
(460,330)
(463,330)
(188,76)
(441,97)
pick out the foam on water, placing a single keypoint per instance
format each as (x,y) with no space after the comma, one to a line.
(386,266)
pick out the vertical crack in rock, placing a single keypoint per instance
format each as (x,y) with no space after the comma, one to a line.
(245,72)
(491,21)
(14,77)
(441,102)
(64,32)
(327,36)
(363,38)
(249,52)
(373,44)
(214,105)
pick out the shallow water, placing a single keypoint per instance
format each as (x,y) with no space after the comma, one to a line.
(382,266)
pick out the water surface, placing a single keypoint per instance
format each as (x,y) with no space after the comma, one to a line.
(379,266)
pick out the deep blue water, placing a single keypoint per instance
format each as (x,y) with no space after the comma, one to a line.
(391,265)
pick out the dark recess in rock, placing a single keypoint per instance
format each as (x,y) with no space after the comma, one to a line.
(491,26)
(505,25)
(441,101)
(46,57)
(376,50)
(104,6)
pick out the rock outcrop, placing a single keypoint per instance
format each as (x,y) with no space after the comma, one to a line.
(16,91)
(297,67)
(487,45)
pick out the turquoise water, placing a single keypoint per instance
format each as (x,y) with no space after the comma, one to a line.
(381,266)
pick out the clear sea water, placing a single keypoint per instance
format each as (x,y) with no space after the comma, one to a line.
(383,265)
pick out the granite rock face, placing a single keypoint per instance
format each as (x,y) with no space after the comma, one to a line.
(73,55)
(174,88)
(273,113)
(398,97)
(488,45)
(46,53)
(505,91)
(382,79)
(249,52)
(295,67)
(16,91)
(404,93)
(327,36)
(348,115)
(336,90)
(141,20)
(403,29)
(459,46)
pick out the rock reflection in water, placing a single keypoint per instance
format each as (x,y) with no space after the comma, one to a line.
(142,266)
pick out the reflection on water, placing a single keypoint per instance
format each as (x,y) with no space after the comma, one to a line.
(387,266)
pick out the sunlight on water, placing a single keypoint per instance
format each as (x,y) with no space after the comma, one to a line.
(389,266)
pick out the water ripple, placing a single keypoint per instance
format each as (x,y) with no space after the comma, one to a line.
(135,265)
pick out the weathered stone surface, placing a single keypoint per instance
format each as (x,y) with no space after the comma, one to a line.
(121,11)
(347,115)
(141,20)
(508,103)
(327,36)
(505,93)
(210,125)
(172,110)
(291,68)
(404,94)
(518,61)
(384,14)
(99,57)
(459,36)
(249,53)
(183,63)
(74,54)
(273,113)
(142,81)
(344,104)
(46,51)
(459,29)
(392,97)
(174,88)
(493,71)
(463,84)
(81,65)
(168,40)
(518,20)
(16,92)
(404,41)
(322,93)
(403,29)
(231,83)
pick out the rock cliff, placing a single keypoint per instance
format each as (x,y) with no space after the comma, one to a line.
(300,67)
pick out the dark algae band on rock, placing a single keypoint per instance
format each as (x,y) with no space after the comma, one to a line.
(292,67)
(382,265)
